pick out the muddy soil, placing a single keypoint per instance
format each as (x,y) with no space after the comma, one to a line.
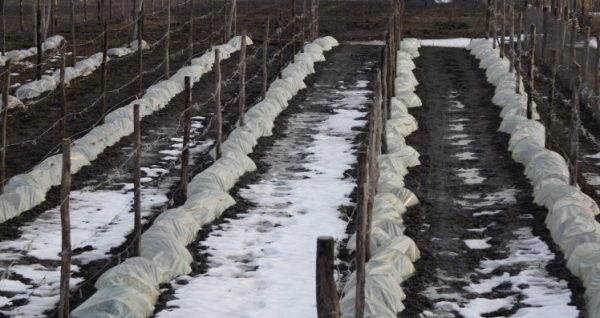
(458,130)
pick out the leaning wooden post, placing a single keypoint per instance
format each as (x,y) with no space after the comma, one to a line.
(218,110)
(73,46)
(574,127)
(265,69)
(104,71)
(5,91)
(328,305)
(38,43)
(552,95)
(63,91)
(242,65)
(586,56)
(140,54)
(137,202)
(185,152)
(168,43)
(531,73)
(361,234)
(65,224)
(519,55)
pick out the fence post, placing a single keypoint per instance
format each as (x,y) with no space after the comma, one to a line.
(544,32)
(293,27)
(191,33)
(328,305)
(361,234)
(503,29)
(217,68)
(530,83)
(574,127)
(265,69)
(212,23)
(63,110)
(137,205)
(3,25)
(65,223)
(140,53)
(519,54)
(185,152)
(586,53)
(168,43)
(573,54)
(38,43)
(551,96)
(104,70)
(5,91)
(494,24)
(242,101)
(511,40)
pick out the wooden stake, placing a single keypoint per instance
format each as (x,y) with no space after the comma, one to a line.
(73,46)
(503,29)
(168,43)
(65,224)
(140,54)
(38,42)
(544,32)
(185,153)
(104,71)
(137,201)
(531,73)
(597,69)
(218,114)
(586,53)
(3,25)
(519,54)
(212,22)
(511,40)
(191,33)
(293,28)
(265,67)
(63,110)
(242,100)
(552,95)
(361,232)
(494,24)
(574,127)
(5,91)
(328,305)
(573,55)
(280,42)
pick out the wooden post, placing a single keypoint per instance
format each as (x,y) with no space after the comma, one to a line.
(3,25)
(563,35)
(65,224)
(503,29)
(361,234)
(104,71)
(212,23)
(511,40)
(137,202)
(242,100)
(73,46)
(597,69)
(63,111)
(140,54)
(234,17)
(328,305)
(168,43)
(384,80)
(531,73)
(552,93)
(488,24)
(317,18)
(586,53)
(494,25)
(218,115)
(573,54)
(185,152)
(293,28)
(5,91)
(544,33)
(265,67)
(191,33)
(99,8)
(38,43)
(574,127)
(519,54)
(280,42)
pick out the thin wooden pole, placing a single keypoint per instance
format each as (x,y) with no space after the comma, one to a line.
(38,43)
(3,25)
(242,100)
(185,152)
(552,96)
(168,43)
(212,22)
(140,54)
(573,55)
(191,33)
(361,235)
(104,71)
(218,111)
(63,110)
(503,29)
(597,69)
(544,32)
(494,24)
(65,223)
(265,67)
(280,42)
(574,127)
(293,28)
(5,91)
(328,305)
(530,83)
(511,40)
(519,54)
(586,57)
(137,202)
(73,46)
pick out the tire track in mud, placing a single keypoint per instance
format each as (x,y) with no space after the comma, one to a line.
(485,248)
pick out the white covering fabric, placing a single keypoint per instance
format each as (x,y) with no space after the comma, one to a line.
(51,43)
(27,190)
(571,212)
(393,252)
(164,253)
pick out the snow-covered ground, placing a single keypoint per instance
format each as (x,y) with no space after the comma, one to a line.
(101,218)
(261,263)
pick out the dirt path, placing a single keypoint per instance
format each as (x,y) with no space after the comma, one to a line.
(485,249)
(259,259)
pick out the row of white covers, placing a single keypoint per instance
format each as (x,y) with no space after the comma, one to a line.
(393,253)
(571,213)
(24,191)
(131,288)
